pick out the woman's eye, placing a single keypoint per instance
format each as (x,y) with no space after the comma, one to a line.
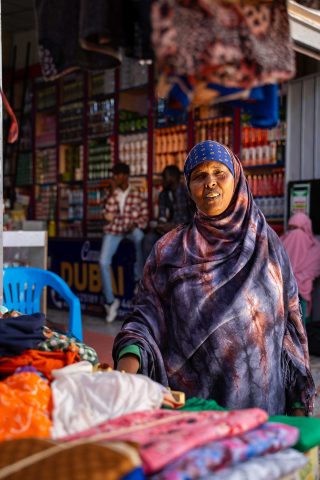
(199,176)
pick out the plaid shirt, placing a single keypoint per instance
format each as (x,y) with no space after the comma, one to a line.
(135,212)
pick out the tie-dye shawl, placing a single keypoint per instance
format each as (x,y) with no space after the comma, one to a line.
(217,314)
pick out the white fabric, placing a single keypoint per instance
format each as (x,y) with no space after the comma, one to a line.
(79,367)
(83,400)
(122,197)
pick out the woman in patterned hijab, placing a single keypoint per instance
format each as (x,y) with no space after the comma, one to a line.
(217,313)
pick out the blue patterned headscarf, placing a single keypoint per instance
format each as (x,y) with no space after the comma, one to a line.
(205,152)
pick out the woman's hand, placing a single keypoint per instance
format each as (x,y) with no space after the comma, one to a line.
(129,364)
(298,412)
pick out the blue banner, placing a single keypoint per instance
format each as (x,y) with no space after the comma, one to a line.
(77,262)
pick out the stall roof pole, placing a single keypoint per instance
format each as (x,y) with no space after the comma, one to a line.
(1,169)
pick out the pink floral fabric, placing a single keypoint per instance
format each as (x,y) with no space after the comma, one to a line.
(200,462)
(163,436)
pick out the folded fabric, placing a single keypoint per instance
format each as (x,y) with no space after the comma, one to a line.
(213,456)
(200,404)
(44,362)
(270,467)
(20,333)
(309,428)
(84,400)
(55,341)
(164,435)
(30,458)
(25,401)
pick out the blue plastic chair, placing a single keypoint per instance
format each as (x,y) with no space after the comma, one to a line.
(22,290)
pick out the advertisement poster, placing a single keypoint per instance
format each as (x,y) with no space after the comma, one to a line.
(300,198)
(77,262)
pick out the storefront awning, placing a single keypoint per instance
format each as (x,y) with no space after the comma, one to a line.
(305,29)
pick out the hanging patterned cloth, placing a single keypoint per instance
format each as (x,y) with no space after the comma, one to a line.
(310,3)
(232,43)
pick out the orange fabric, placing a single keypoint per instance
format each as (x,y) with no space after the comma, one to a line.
(25,402)
(44,362)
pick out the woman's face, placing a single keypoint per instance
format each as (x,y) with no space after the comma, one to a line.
(211,186)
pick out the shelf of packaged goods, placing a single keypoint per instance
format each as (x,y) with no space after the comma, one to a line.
(133,132)
(76,117)
(268,166)
(66,103)
(24,185)
(45,184)
(136,88)
(70,182)
(45,146)
(76,219)
(72,141)
(104,182)
(94,219)
(275,219)
(99,136)
(100,97)
(49,110)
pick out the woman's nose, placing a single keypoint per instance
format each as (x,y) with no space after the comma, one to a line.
(211,181)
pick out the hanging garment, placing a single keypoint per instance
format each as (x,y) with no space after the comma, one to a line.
(100,26)
(163,436)
(91,35)
(59,26)
(25,404)
(214,456)
(107,25)
(232,44)
(137,29)
(261,103)
(310,3)
(24,459)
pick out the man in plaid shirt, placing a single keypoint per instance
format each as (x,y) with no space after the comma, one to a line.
(126,213)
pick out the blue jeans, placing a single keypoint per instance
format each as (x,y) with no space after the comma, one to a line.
(109,247)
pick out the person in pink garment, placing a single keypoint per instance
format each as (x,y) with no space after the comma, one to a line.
(303,249)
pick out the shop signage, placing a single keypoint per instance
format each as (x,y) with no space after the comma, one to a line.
(300,198)
(77,262)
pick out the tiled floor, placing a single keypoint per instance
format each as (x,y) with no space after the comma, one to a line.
(100,335)
(89,322)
